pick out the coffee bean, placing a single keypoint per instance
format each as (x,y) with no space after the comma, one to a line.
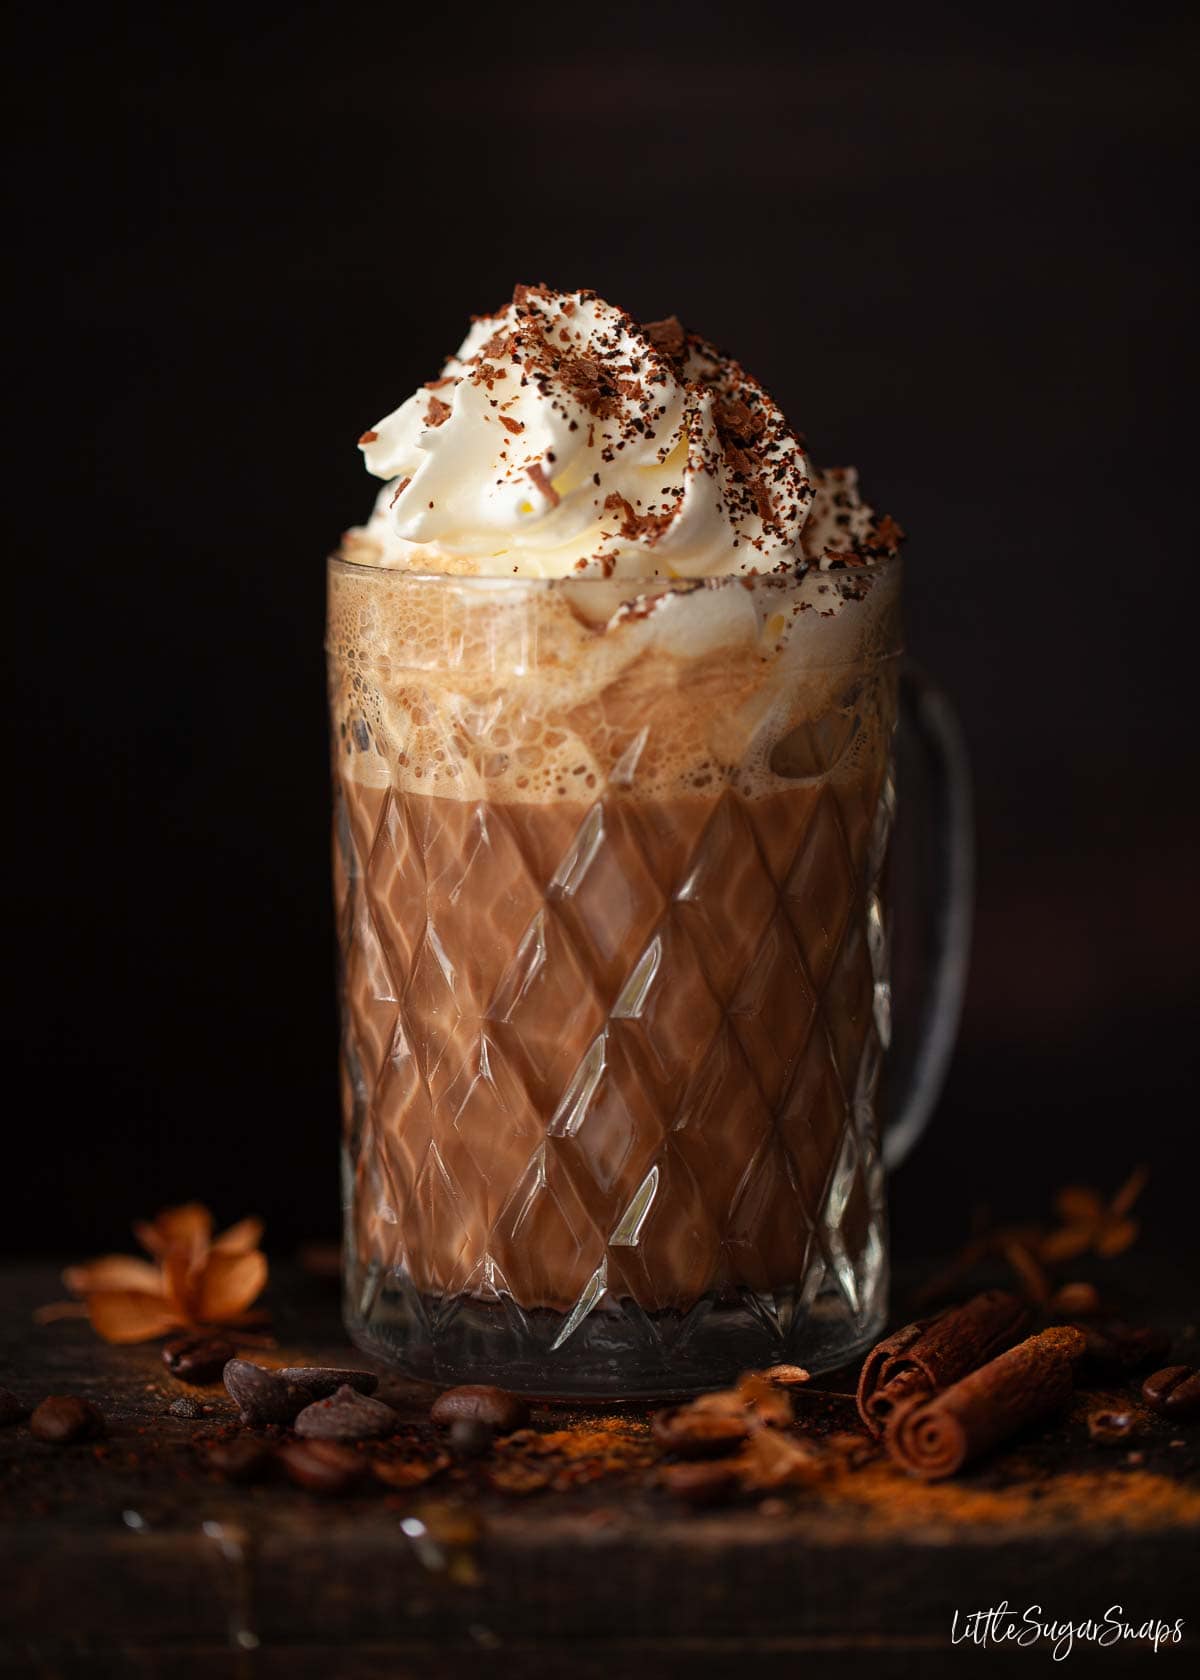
(239,1459)
(699,1484)
(479,1401)
(65,1417)
(1076,1300)
(1145,1347)
(262,1396)
(698,1434)
(347,1416)
(186,1407)
(1116,1347)
(411,1472)
(1184,1399)
(197,1359)
(1112,1428)
(470,1437)
(321,1466)
(786,1376)
(11,1409)
(320,1381)
(1174,1391)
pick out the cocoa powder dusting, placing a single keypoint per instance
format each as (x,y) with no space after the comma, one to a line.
(893,1505)
(773,1441)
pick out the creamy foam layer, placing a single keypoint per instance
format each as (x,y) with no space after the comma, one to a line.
(516,691)
(566,439)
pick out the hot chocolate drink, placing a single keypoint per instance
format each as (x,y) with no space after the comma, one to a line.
(613,691)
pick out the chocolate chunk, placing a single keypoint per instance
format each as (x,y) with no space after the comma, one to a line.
(347,1416)
(186,1407)
(62,1418)
(11,1409)
(262,1396)
(699,1484)
(479,1401)
(321,1466)
(470,1437)
(320,1381)
(198,1359)
(698,1434)
(237,1460)
(1174,1391)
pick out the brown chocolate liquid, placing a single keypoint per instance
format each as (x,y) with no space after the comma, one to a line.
(620,1045)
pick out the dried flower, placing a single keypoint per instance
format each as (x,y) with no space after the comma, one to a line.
(773,1460)
(1090,1224)
(1087,1224)
(191,1279)
(765,1458)
(1028,1271)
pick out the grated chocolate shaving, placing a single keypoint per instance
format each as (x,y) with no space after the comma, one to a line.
(667,337)
(538,474)
(638,526)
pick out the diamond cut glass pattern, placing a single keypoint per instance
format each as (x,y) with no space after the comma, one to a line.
(611,1043)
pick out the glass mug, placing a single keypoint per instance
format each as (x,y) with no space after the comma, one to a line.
(611,876)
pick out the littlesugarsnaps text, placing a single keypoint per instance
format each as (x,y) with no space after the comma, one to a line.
(1034,1626)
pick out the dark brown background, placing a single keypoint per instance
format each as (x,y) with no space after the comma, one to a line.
(954,247)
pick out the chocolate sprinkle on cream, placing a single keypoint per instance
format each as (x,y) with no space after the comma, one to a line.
(667,459)
(538,474)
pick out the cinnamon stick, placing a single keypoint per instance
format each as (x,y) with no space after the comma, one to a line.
(931,1354)
(936,1436)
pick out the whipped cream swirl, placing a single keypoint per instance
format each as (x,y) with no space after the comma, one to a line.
(565,439)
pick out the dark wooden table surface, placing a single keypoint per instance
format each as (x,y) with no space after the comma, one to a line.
(129,1556)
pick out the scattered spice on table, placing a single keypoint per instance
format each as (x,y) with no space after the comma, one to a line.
(942,1394)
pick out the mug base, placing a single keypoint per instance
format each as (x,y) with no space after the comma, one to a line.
(617,1351)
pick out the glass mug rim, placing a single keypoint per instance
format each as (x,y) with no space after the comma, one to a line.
(484,581)
(477,591)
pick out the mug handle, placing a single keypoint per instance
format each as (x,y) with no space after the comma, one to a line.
(931,743)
